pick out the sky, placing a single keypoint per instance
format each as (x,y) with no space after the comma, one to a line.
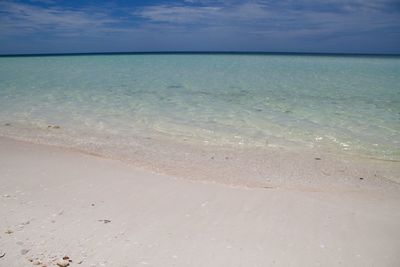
(322,26)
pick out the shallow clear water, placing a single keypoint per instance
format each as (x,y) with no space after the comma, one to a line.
(340,104)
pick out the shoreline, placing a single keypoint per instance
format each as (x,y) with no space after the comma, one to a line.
(102,212)
(309,169)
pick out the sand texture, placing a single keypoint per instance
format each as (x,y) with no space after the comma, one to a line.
(58,203)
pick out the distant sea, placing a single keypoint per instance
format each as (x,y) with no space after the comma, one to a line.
(346,105)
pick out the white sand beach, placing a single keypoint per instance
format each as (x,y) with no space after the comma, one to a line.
(59,203)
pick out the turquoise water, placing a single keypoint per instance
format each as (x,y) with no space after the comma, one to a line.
(348,105)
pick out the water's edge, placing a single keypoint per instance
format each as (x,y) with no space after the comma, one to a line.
(275,167)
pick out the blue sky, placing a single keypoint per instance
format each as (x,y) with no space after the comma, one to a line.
(52,26)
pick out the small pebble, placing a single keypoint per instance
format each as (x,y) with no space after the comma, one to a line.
(2,254)
(8,231)
(361,178)
(53,127)
(63,263)
(317,158)
(36,262)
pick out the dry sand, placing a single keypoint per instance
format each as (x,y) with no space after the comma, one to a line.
(100,212)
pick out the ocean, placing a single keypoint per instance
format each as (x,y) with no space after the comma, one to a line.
(342,105)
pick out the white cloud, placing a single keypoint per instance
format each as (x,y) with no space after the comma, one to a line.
(22,18)
(265,16)
(178,14)
(217,14)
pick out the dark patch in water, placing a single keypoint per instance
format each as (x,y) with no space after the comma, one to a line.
(239,90)
(288,111)
(7,124)
(243,92)
(174,86)
(130,92)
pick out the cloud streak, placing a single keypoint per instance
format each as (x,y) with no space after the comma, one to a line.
(268,16)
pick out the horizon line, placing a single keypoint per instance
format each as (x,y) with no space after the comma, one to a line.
(198,52)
